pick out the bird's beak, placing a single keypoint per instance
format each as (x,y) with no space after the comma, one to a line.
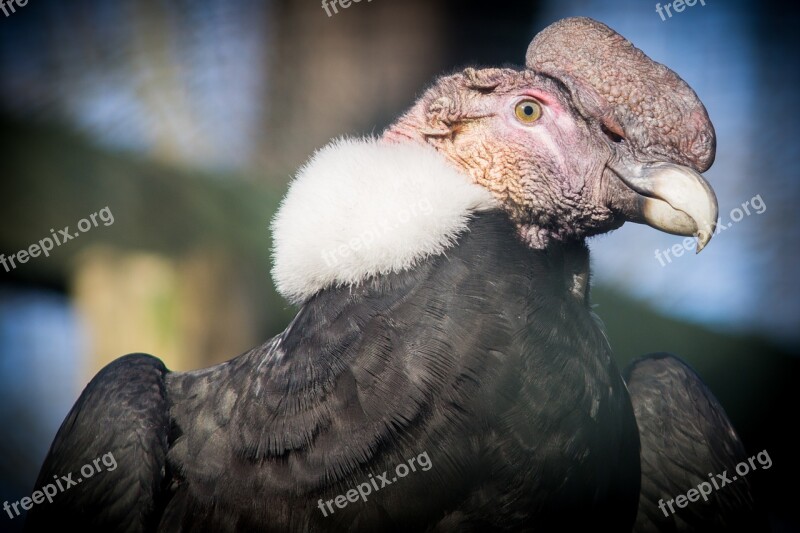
(672,198)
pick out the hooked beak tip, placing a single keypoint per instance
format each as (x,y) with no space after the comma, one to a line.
(674,198)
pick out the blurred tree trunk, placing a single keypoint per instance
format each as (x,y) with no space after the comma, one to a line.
(191,311)
(336,75)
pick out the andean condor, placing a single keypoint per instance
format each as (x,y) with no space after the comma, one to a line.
(442,277)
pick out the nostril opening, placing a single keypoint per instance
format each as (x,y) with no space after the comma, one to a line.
(615,137)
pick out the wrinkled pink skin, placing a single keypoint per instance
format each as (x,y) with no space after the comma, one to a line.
(550,175)
(605,104)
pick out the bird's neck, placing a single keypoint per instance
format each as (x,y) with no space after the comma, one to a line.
(573,260)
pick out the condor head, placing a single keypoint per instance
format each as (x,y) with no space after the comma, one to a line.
(591,134)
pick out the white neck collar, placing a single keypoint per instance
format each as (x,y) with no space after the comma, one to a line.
(363,207)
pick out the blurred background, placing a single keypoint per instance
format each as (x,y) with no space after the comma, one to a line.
(186,121)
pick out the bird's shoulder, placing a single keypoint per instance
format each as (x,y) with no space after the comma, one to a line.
(118,430)
(687,440)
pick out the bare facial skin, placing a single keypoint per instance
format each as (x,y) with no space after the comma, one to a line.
(536,170)
(592,134)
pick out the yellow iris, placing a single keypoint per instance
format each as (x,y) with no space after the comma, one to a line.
(528,111)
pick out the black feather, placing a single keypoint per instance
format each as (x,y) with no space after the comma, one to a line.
(686,436)
(123,412)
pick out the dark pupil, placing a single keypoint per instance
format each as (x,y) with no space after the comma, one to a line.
(528,110)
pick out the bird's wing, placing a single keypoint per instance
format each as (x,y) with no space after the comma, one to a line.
(119,428)
(686,440)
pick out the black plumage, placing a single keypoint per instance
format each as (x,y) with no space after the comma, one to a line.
(686,441)
(123,411)
(483,357)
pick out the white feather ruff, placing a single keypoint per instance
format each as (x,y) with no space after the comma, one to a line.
(362,207)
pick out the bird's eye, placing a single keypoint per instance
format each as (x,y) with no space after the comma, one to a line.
(528,111)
